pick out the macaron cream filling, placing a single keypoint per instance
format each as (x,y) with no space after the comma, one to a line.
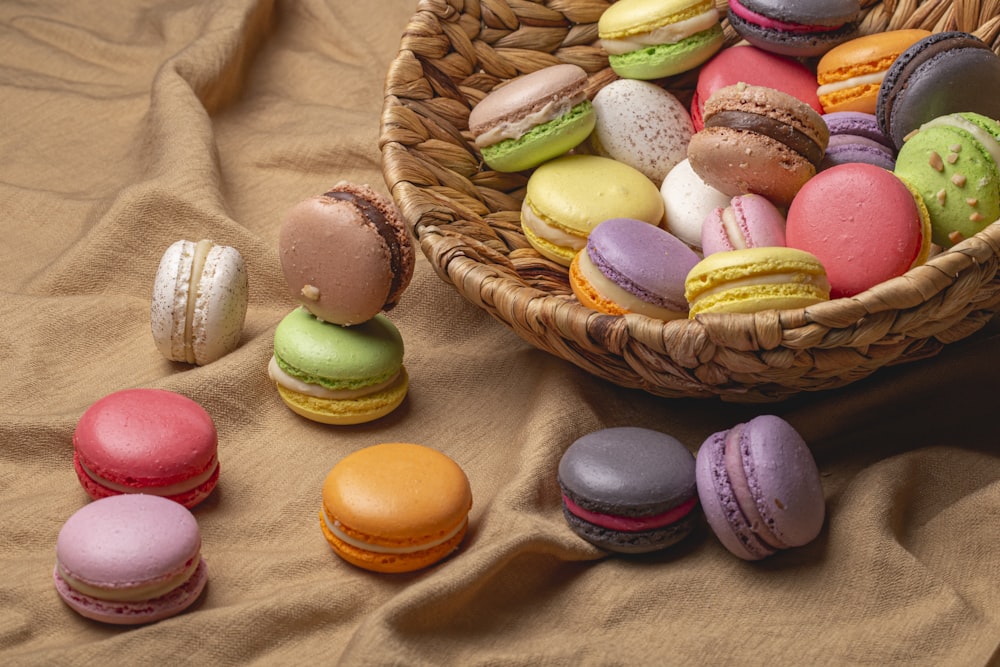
(135,592)
(516,128)
(666,34)
(278,375)
(548,229)
(780,131)
(165,491)
(335,528)
(874,79)
(631,524)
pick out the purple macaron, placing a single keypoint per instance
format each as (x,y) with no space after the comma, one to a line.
(855,137)
(760,488)
(631,266)
(947,72)
(750,221)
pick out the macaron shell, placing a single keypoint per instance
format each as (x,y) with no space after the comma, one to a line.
(396,495)
(756,67)
(344,412)
(636,17)
(867,237)
(346,255)
(687,201)
(339,357)
(146,439)
(642,125)
(221,291)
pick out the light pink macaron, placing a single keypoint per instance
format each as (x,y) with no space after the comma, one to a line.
(749,221)
(130,559)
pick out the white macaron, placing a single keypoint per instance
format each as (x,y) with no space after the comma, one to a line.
(199,301)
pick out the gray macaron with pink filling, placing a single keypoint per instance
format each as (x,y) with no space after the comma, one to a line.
(760,488)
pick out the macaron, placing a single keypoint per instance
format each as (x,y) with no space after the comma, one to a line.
(651,39)
(628,489)
(149,441)
(800,28)
(346,255)
(954,163)
(863,223)
(533,118)
(395,507)
(630,266)
(749,221)
(199,301)
(947,72)
(755,279)
(130,559)
(687,201)
(757,67)
(760,488)
(850,74)
(758,140)
(568,196)
(642,125)
(336,374)
(855,137)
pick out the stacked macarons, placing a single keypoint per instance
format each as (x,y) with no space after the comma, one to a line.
(346,257)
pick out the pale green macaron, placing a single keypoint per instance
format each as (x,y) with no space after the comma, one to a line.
(650,39)
(338,374)
(568,196)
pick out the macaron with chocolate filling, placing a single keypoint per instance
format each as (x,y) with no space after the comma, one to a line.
(758,140)
(628,489)
(346,254)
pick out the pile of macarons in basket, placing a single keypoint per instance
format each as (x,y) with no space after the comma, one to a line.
(813,162)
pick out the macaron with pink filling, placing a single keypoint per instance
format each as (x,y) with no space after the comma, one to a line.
(750,221)
(760,489)
(130,559)
(629,489)
(863,223)
(150,441)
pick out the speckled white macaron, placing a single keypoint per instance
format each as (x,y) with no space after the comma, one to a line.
(641,124)
(199,301)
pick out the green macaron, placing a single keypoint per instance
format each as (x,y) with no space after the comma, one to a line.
(952,161)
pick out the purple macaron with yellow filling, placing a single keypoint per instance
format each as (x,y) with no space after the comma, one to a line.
(631,266)
(628,489)
(760,488)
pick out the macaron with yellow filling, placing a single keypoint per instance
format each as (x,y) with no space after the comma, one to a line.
(130,559)
(568,196)
(336,374)
(395,507)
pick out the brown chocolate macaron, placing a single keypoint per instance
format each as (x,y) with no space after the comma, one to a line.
(346,254)
(758,140)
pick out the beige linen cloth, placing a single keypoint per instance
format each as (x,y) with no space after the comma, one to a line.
(127,125)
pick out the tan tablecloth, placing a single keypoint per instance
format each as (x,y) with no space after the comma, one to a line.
(128,125)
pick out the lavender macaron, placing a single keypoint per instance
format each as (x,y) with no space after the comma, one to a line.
(760,488)
(630,266)
(855,137)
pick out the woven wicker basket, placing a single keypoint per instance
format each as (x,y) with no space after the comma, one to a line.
(466,220)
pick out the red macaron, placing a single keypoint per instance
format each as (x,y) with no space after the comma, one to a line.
(148,441)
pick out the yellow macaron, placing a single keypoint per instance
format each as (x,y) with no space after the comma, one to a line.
(395,507)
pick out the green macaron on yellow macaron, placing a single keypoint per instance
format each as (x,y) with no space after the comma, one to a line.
(336,374)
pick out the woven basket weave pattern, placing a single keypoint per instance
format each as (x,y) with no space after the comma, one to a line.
(466,220)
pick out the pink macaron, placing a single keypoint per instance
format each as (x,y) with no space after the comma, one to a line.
(862,222)
(756,67)
(750,221)
(148,441)
(130,559)
(760,488)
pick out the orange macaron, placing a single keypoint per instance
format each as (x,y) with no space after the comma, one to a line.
(395,507)
(849,75)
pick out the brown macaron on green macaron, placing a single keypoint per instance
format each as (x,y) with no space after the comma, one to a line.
(758,140)
(346,254)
